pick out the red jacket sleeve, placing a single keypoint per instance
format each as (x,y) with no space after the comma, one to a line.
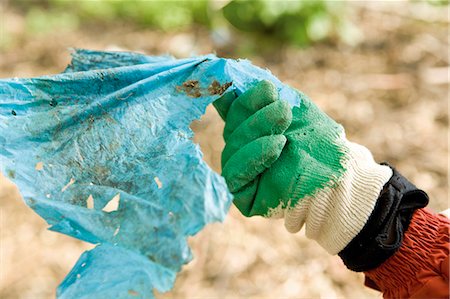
(420,268)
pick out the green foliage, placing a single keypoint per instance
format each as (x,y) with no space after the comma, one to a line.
(296,22)
(39,21)
(293,22)
(164,15)
(439,2)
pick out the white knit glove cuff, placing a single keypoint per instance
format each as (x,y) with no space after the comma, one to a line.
(336,214)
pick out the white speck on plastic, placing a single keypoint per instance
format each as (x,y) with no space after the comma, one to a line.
(158,182)
(116,231)
(39,166)
(90,202)
(113,204)
(48,195)
(72,180)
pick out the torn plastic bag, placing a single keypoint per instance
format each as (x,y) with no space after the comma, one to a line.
(103,153)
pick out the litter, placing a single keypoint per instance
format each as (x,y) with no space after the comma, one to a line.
(116,125)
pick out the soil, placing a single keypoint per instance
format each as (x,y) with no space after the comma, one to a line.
(390,91)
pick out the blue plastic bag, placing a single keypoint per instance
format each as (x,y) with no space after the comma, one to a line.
(103,153)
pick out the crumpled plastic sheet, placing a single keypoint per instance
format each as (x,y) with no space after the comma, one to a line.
(103,153)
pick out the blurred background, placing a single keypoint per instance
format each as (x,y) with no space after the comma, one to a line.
(379,68)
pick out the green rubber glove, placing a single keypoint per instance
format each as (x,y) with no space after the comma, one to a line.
(254,139)
(297,164)
(255,122)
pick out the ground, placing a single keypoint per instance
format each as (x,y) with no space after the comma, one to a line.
(390,92)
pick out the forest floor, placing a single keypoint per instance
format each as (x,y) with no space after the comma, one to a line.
(390,92)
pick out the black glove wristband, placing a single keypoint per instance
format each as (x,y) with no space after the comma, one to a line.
(383,233)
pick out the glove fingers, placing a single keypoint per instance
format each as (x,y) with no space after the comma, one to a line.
(262,94)
(273,119)
(244,198)
(251,160)
(223,104)
(247,203)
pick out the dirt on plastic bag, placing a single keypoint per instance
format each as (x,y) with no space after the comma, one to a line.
(103,153)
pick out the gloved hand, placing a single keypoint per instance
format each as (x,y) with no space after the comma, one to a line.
(297,164)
